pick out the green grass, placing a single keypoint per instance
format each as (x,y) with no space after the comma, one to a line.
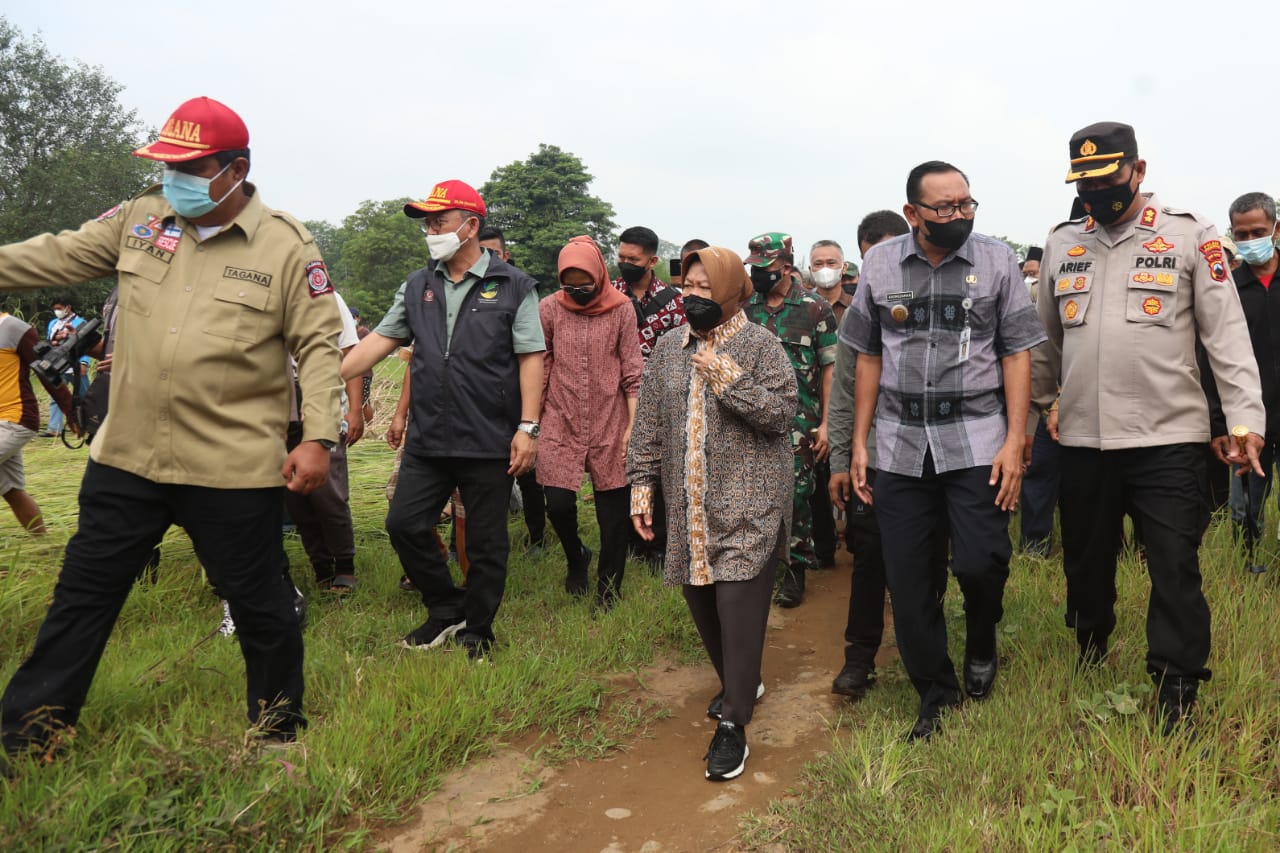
(162,758)
(1057,761)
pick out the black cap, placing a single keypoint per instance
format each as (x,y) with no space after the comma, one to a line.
(1097,150)
(1034,253)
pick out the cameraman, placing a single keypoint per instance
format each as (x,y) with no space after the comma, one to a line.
(65,321)
(20,416)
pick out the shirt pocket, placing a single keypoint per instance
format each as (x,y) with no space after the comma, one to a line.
(800,347)
(1152,291)
(1073,293)
(237,311)
(140,276)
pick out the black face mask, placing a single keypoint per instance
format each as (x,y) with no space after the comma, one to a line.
(764,280)
(849,288)
(702,313)
(949,235)
(1106,205)
(582,298)
(632,273)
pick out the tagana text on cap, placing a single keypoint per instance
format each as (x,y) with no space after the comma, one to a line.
(767,247)
(1096,150)
(198,128)
(448,195)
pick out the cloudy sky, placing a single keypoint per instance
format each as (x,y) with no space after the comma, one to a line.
(717,120)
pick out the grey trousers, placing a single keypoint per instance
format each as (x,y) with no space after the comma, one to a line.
(324,520)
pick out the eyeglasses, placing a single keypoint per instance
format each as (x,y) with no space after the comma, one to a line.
(946,211)
(584,289)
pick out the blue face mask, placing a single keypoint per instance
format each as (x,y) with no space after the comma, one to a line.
(1257,252)
(189,194)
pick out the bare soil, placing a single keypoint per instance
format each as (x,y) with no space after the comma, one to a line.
(650,796)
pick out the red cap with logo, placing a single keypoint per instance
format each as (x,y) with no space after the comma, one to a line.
(198,128)
(448,195)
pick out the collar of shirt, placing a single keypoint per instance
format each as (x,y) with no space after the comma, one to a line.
(247,220)
(719,334)
(795,296)
(911,248)
(476,270)
(655,286)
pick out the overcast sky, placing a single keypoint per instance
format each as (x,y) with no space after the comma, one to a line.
(715,120)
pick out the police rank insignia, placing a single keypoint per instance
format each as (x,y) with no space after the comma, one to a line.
(1148,216)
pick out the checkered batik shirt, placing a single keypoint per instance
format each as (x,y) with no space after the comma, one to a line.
(658,312)
(913,315)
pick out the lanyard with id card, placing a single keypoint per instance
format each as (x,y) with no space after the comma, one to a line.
(966,333)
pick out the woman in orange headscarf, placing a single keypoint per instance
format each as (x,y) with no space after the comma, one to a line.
(591,380)
(713,430)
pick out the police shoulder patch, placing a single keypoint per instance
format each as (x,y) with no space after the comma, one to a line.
(318,282)
(109,213)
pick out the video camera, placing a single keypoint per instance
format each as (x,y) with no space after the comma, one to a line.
(52,363)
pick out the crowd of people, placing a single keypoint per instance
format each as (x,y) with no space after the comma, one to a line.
(726,419)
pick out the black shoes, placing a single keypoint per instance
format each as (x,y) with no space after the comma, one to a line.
(716,706)
(575,583)
(979,677)
(432,634)
(791,592)
(924,728)
(1177,697)
(854,680)
(727,755)
(478,649)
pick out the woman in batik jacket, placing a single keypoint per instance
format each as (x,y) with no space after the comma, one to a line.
(715,408)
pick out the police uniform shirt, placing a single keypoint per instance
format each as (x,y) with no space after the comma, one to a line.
(199,394)
(1122,313)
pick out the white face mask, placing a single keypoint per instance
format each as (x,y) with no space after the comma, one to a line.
(1031,281)
(442,247)
(825,277)
(61,313)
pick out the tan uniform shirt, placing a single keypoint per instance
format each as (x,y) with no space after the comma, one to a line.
(1122,314)
(199,391)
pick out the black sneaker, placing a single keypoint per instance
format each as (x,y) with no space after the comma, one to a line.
(727,755)
(716,705)
(575,583)
(432,634)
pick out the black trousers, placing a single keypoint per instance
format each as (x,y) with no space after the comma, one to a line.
(1162,488)
(324,523)
(613,514)
(1040,490)
(824,520)
(422,490)
(535,506)
(236,533)
(731,617)
(864,629)
(910,511)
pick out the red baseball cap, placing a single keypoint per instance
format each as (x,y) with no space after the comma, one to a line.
(448,195)
(198,128)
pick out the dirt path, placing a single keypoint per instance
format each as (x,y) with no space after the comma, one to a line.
(651,796)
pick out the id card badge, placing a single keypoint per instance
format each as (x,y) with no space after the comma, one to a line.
(964,344)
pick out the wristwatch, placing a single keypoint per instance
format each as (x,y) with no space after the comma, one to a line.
(530,428)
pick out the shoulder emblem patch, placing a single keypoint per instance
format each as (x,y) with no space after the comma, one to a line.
(107,214)
(318,282)
(1212,252)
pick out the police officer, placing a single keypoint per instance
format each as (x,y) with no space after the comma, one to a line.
(216,291)
(1124,291)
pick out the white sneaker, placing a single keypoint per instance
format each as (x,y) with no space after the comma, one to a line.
(228,626)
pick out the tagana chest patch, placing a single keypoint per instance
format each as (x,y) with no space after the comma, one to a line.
(260,278)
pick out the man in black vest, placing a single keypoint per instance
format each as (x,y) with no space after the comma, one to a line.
(475,394)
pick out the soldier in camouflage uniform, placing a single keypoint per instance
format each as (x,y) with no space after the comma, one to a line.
(807,328)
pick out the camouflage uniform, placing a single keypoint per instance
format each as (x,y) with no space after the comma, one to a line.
(807,328)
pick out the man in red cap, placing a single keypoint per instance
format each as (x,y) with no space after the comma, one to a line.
(216,290)
(475,396)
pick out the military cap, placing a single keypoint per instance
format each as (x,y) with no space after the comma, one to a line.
(1097,150)
(766,248)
